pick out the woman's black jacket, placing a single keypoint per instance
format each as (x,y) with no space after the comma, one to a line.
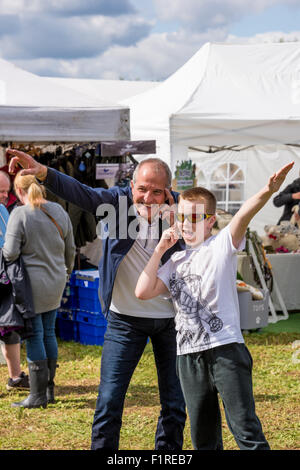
(16,302)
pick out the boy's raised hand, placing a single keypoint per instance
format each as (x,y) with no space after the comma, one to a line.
(168,239)
(276,180)
(167,210)
(249,209)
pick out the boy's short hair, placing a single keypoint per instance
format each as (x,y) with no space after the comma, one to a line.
(198,193)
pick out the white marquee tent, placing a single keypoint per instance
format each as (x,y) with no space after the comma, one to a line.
(37,110)
(112,90)
(228,95)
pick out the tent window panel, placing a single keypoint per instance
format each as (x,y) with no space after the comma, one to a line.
(233,208)
(235,192)
(220,174)
(201,180)
(219,192)
(227,183)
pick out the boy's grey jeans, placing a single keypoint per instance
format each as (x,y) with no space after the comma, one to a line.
(226,370)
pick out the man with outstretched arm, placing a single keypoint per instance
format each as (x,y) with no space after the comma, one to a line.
(129,321)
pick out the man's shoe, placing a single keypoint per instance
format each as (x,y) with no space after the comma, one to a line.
(22,383)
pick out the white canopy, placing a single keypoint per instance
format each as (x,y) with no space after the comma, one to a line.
(228,95)
(34,109)
(225,95)
(115,90)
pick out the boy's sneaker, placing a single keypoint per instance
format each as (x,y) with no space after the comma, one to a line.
(22,382)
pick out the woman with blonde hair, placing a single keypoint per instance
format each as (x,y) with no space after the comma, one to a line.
(41,232)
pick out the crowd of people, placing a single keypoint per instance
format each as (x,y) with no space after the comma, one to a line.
(177,288)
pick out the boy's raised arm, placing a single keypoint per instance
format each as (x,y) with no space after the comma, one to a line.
(249,209)
(149,285)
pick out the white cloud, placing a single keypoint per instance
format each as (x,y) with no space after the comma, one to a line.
(71,37)
(205,14)
(110,39)
(67,7)
(153,58)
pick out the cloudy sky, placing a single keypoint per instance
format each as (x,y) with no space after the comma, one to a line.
(133,39)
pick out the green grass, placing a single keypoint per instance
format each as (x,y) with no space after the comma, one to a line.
(290,325)
(66,425)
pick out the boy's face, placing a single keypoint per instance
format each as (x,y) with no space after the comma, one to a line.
(194,230)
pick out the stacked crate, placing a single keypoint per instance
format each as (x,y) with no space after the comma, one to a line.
(90,319)
(66,314)
(80,316)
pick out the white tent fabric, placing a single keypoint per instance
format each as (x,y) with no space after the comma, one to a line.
(115,90)
(257,164)
(225,95)
(34,109)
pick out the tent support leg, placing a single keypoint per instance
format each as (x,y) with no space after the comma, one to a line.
(273,317)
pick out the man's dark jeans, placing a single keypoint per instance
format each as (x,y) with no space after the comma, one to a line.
(125,340)
(225,370)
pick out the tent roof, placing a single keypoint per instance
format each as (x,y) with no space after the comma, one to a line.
(226,94)
(33,108)
(116,90)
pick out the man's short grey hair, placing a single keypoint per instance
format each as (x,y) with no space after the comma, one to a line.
(158,166)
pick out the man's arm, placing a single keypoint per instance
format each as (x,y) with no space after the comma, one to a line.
(62,185)
(249,209)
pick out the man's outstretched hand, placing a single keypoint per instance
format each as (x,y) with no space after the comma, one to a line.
(28,164)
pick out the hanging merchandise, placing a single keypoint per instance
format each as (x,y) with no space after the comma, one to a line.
(82,166)
(106,170)
(116,163)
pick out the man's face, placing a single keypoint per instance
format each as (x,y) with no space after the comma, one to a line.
(194,233)
(4,189)
(149,191)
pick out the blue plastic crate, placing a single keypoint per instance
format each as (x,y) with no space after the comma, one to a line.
(87,284)
(67,324)
(88,279)
(88,300)
(72,278)
(91,328)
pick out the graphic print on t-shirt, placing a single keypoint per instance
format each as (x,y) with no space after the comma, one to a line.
(193,310)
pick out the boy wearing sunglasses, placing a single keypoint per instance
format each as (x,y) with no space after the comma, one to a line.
(212,358)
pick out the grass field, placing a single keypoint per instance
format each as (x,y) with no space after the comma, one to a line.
(66,425)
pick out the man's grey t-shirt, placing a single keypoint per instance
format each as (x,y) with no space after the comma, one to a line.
(124,300)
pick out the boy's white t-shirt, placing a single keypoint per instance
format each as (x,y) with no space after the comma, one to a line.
(202,283)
